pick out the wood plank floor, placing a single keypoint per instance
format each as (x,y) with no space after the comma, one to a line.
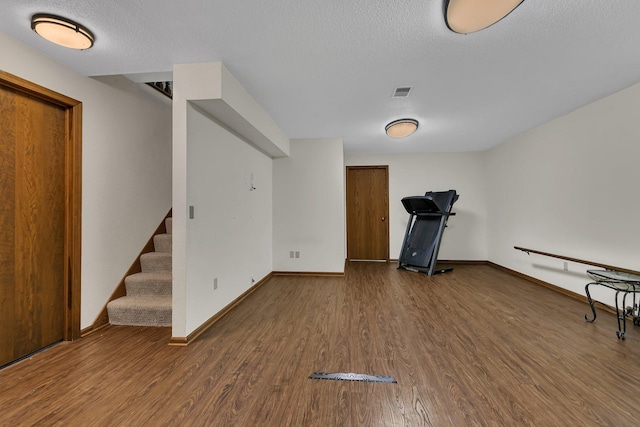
(475,347)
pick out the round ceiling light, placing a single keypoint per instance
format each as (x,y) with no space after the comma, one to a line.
(468,16)
(401,128)
(62,31)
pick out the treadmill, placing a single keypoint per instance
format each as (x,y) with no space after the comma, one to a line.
(428,217)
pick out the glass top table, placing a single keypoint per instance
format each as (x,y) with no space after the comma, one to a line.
(625,283)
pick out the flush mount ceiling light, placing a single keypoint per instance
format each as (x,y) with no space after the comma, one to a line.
(401,128)
(62,31)
(468,16)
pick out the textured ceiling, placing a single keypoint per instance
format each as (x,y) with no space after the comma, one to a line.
(328,68)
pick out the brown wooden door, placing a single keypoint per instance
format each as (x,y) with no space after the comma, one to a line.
(368,212)
(32,223)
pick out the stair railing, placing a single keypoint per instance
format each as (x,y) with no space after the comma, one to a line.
(166,88)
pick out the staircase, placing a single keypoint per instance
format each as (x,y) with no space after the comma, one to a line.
(148,294)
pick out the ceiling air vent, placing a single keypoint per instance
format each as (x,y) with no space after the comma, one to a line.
(401,92)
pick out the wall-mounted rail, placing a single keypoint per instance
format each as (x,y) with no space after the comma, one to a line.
(579,261)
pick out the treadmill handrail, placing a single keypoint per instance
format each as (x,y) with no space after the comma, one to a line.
(433,213)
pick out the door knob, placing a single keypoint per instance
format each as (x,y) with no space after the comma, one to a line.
(383,218)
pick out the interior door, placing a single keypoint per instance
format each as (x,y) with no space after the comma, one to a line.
(367,213)
(33,146)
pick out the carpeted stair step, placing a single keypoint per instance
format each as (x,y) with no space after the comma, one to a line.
(162,242)
(148,293)
(140,311)
(155,262)
(168,225)
(148,284)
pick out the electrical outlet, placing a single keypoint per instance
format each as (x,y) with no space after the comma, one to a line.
(215,283)
(297,254)
(566,266)
(290,254)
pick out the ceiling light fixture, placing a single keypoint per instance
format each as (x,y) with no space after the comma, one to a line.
(401,128)
(62,31)
(468,16)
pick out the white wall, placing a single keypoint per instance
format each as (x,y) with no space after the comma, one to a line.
(569,187)
(308,207)
(414,174)
(230,237)
(126,166)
